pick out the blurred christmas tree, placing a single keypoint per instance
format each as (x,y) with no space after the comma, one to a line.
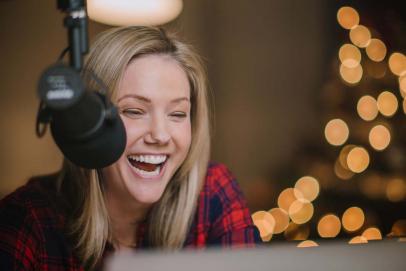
(354,183)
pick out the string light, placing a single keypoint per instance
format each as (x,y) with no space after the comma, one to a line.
(347,17)
(396,190)
(358,240)
(287,197)
(360,36)
(367,108)
(281,219)
(358,159)
(307,243)
(301,211)
(376,50)
(351,75)
(397,64)
(353,219)
(336,132)
(329,226)
(372,234)
(379,137)
(349,55)
(387,103)
(265,224)
(308,186)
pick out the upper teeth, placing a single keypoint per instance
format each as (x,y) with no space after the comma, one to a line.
(151,159)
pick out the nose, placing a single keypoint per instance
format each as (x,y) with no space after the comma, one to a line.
(158,132)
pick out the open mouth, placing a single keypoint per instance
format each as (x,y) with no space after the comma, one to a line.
(148,165)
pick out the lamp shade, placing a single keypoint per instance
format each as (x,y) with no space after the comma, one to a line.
(133,12)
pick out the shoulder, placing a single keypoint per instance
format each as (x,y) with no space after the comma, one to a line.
(27,220)
(223,208)
(223,193)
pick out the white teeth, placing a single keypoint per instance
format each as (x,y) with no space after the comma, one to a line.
(148,174)
(151,159)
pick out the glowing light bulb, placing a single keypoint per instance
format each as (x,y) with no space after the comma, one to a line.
(397,64)
(379,137)
(349,55)
(358,159)
(336,132)
(360,36)
(353,219)
(329,226)
(351,75)
(387,103)
(376,50)
(133,12)
(367,108)
(347,17)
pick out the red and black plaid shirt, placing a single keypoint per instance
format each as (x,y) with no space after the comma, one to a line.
(32,230)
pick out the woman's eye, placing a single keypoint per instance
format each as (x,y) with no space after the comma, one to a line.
(179,115)
(132,113)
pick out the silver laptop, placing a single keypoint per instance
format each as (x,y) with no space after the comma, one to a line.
(338,255)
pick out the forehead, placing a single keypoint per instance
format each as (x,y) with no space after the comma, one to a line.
(154,76)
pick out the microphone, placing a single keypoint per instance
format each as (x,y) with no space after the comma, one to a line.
(85,125)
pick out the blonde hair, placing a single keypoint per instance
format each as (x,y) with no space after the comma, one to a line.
(172,215)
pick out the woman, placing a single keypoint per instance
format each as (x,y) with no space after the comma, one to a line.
(161,193)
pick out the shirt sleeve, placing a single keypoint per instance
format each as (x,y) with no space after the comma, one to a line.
(18,238)
(231,222)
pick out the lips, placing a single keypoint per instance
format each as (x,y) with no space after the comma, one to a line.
(148,166)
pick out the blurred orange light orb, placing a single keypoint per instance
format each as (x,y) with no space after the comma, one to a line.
(367,108)
(349,55)
(372,234)
(360,36)
(397,64)
(329,226)
(379,137)
(347,17)
(376,50)
(387,103)
(353,219)
(336,132)
(358,159)
(351,75)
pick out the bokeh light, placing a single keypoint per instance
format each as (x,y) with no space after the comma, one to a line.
(379,137)
(372,233)
(341,172)
(397,63)
(347,17)
(387,103)
(376,50)
(336,132)
(404,106)
(399,228)
(396,190)
(329,226)
(358,240)
(301,211)
(402,86)
(349,55)
(360,36)
(265,224)
(351,75)
(308,186)
(287,197)
(307,243)
(281,219)
(358,159)
(296,232)
(367,108)
(353,219)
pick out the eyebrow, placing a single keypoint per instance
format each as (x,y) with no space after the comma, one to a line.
(146,100)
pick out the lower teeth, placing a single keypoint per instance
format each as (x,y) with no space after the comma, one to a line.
(148,173)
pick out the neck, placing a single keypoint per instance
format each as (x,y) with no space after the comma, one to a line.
(125,218)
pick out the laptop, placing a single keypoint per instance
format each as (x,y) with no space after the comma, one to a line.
(389,255)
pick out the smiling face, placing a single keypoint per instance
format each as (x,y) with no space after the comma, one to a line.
(153,98)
